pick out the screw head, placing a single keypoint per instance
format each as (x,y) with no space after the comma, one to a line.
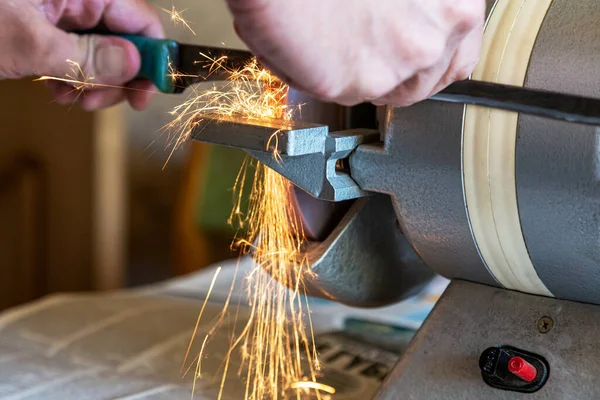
(545,324)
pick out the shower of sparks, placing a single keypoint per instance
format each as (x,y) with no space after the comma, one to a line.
(276,343)
(250,92)
(177,18)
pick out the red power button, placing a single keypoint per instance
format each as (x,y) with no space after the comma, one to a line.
(522,369)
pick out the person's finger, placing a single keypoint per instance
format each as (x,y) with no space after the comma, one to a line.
(90,58)
(416,88)
(101,98)
(460,59)
(133,16)
(464,61)
(62,93)
(79,15)
(139,93)
(123,16)
(409,91)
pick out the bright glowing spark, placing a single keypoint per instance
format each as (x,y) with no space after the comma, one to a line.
(212,284)
(313,385)
(77,73)
(177,17)
(175,75)
(80,85)
(276,344)
(77,78)
(198,374)
(80,82)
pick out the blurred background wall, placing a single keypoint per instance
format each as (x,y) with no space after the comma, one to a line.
(88,200)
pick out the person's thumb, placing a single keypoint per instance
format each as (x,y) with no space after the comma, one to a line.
(91,58)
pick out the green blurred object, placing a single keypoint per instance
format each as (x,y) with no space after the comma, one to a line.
(157,54)
(216,200)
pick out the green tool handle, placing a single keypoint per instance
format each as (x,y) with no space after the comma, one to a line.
(159,58)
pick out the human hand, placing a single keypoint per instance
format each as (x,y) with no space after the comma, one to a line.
(395,52)
(35,42)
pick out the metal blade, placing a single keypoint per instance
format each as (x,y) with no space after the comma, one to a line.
(195,62)
(546,104)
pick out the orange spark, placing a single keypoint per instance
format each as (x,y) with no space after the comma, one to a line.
(313,385)
(77,78)
(80,81)
(177,17)
(212,284)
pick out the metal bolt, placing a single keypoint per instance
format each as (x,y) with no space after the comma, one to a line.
(545,324)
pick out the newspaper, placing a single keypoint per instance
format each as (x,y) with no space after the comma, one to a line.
(328,315)
(131,345)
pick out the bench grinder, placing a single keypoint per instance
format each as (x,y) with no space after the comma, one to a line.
(503,201)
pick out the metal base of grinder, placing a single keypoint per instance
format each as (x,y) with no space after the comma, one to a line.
(442,360)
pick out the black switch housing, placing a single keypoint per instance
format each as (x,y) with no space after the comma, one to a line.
(495,372)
